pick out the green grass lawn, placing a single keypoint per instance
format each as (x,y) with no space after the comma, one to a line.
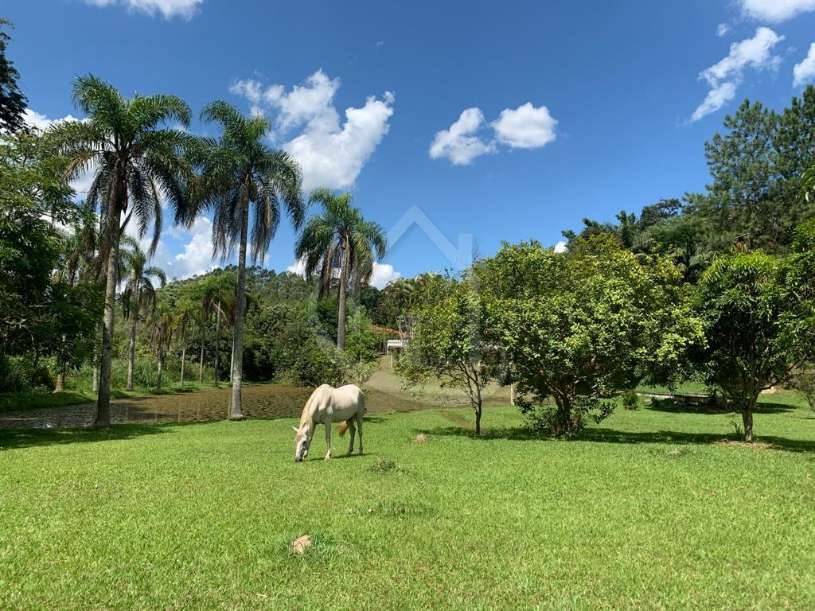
(648,510)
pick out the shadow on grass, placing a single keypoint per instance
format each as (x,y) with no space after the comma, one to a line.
(28,438)
(677,406)
(603,435)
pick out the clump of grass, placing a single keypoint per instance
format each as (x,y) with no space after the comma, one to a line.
(383,465)
(396,509)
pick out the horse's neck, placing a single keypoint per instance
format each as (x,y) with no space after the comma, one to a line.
(306,418)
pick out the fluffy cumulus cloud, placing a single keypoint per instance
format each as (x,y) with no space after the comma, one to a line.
(561,247)
(383,273)
(725,76)
(458,143)
(166,8)
(196,255)
(525,127)
(775,10)
(804,72)
(331,149)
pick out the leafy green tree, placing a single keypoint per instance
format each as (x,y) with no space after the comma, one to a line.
(136,162)
(581,326)
(339,239)
(452,342)
(238,171)
(758,327)
(138,297)
(12,101)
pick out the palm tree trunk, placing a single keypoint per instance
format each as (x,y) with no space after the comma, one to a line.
(108,321)
(342,300)
(235,411)
(217,340)
(160,368)
(131,354)
(183,355)
(201,360)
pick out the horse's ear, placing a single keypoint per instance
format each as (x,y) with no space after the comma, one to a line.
(295,429)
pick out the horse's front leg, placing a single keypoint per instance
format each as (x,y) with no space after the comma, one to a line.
(328,439)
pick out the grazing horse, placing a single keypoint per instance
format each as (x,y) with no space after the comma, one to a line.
(327,404)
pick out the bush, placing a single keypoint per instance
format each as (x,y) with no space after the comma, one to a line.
(548,421)
(19,374)
(630,400)
(804,381)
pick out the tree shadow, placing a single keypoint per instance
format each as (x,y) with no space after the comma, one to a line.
(681,406)
(604,435)
(11,439)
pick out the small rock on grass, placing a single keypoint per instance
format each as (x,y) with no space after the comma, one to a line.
(420,438)
(301,544)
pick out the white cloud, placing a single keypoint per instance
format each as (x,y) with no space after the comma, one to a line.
(167,8)
(722,30)
(804,72)
(560,247)
(298,267)
(525,127)
(40,121)
(331,153)
(775,10)
(458,143)
(725,76)
(196,258)
(383,275)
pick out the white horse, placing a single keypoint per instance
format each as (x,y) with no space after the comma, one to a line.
(327,404)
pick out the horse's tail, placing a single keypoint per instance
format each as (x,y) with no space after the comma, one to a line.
(342,428)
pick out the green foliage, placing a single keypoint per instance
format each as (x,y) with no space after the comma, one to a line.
(451,342)
(757,325)
(12,101)
(578,327)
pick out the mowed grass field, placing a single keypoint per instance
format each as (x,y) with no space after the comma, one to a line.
(649,510)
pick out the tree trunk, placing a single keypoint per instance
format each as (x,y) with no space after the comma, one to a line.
(478,419)
(131,353)
(217,341)
(95,367)
(183,357)
(201,362)
(108,321)
(235,408)
(59,384)
(160,369)
(342,299)
(747,420)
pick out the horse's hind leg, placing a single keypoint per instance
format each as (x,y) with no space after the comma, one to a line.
(359,426)
(353,428)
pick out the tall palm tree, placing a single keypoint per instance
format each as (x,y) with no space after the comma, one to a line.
(238,171)
(339,239)
(138,297)
(137,161)
(162,324)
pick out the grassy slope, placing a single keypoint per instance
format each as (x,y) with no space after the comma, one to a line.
(646,512)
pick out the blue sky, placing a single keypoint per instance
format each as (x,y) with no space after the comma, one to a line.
(507,121)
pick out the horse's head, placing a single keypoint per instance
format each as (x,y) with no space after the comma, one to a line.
(302,439)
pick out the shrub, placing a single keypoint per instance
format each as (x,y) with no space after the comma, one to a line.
(631,400)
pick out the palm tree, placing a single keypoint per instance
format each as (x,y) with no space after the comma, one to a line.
(139,296)
(238,171)
(137,162)
(339,239)
(162,323)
